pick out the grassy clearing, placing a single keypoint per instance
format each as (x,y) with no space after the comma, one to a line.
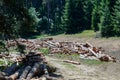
(86,33)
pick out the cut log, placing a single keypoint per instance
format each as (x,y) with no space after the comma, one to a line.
(45,70)
(73,62)
(16,74)
(34,70)
(95,54)
(104,58)
(10,70)
(4,54)
(89,45)
(25,72)
(2,76)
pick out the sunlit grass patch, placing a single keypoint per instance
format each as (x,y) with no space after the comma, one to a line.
(91,62)
(45,51)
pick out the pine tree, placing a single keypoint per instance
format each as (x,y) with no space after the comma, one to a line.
(65,17)
(106,20)
(116,18)
(87,8)
(73,17)
(96,15)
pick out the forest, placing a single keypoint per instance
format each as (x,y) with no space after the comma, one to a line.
(20,18)
(59,39)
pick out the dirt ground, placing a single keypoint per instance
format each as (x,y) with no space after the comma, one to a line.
(105,71)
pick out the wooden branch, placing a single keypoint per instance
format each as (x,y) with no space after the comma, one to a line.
(73,62)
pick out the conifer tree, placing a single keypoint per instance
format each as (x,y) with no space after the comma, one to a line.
(96,15)
(106,20)
(116,18)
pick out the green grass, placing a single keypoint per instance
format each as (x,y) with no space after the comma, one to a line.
(86,33)
(45,51)
(2,62)
(91,62)
(68,65)
(67,56)
(39,36)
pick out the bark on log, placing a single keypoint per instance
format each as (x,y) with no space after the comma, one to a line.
(45,70)
(10,70)
(25,72)
(95,54)
(2,76)
(34,70)
(16,74)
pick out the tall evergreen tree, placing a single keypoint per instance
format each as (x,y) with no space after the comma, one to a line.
(116,18)
(73,17)
(65,17)
(87,7)
(106,21)
(96,15)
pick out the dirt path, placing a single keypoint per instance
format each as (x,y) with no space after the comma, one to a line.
(69,71)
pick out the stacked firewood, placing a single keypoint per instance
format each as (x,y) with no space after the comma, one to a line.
(27,67)
(85,50)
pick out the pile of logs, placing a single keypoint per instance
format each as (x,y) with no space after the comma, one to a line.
(85,50)
(27,67)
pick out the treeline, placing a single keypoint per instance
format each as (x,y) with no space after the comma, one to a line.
(25,17)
